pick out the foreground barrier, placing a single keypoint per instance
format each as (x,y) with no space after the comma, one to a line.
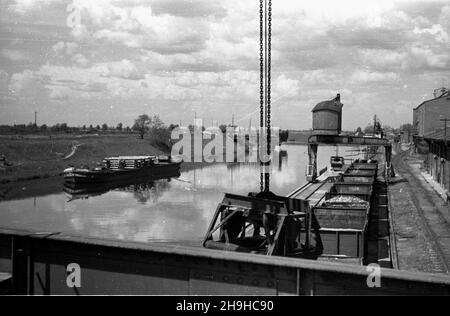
(61,264)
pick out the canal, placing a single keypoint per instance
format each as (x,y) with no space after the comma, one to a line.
(175,210)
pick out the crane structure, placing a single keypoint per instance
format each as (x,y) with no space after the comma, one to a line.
(263,222)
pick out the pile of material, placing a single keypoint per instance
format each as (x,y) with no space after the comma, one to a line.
(345,201)
(128,162)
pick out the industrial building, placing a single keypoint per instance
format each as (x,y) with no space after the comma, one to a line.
(427,116)
(430,121)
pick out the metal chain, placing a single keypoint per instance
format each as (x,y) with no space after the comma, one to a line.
(261,67)
(269,61)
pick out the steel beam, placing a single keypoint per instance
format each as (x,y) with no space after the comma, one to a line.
(347,140)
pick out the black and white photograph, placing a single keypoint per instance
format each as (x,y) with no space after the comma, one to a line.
(224,153)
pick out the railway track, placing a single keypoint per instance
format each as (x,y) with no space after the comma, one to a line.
(431,213)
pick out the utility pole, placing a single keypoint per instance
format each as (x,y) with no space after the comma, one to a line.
(374,124)
(35,119)
(445,120)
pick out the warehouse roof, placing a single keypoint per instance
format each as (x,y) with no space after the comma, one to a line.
(445,94)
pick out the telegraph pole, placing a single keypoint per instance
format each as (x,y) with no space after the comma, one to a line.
(445,120)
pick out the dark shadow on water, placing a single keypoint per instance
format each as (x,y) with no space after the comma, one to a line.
(32,188)
(144,189)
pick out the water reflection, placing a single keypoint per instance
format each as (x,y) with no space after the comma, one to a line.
(179,209)
(143,190)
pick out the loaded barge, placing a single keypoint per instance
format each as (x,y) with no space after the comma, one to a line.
(122,168)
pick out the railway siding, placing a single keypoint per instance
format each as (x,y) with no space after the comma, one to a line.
(420,217)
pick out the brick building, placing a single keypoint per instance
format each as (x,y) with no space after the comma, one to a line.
(426,116)
(432,136)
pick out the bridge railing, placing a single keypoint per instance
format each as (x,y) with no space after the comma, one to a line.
(49,264)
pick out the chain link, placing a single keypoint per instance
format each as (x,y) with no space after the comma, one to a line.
(265,20)
(261,66)
(269,61)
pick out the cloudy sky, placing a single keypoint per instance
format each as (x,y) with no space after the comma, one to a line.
(89,62)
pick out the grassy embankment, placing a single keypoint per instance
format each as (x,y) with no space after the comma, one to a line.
(38,157)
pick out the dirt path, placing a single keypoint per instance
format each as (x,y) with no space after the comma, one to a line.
(421,220)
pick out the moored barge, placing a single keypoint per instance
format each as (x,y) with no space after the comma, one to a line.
(122,168)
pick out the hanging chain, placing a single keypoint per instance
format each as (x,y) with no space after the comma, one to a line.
(261,67)
(269,61)
(265,50)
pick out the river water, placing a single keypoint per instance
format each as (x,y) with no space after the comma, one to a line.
(166,210)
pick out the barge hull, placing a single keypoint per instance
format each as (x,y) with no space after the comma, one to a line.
(164,170)
(39,262)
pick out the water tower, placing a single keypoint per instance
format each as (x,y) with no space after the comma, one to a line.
(327,117)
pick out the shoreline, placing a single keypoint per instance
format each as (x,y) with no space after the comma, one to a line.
(40,158)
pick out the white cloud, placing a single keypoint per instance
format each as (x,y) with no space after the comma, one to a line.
(15,55)
(361,76)
(124,69)
(4,78)
(80,60)
(285,87)
(423,57)
(68,48)
(444,18)
(25,6)
(382,58)
(59,93)
(26,83)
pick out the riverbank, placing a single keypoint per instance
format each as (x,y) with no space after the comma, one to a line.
(32,158)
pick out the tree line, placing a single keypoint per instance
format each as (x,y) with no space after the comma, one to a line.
(158,132)
(63,127)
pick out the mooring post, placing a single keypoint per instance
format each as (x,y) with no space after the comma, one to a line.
(388,158)
(312,165)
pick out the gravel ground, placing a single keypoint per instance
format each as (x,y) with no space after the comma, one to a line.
(417,246)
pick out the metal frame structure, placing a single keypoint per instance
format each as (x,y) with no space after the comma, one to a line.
(265,224)
(346,140)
